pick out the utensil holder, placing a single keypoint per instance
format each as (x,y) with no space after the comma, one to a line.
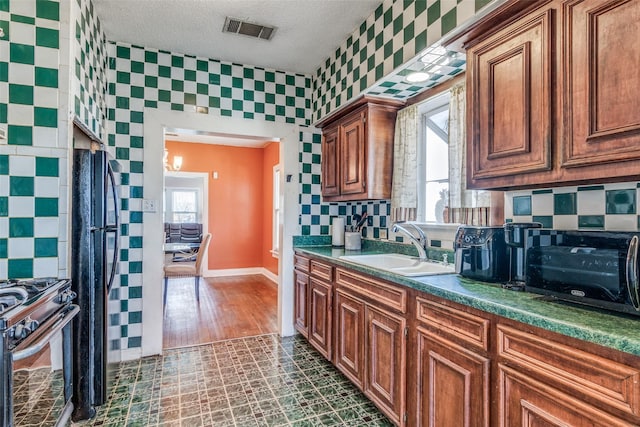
(352,241)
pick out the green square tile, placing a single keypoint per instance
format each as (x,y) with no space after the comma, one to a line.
(481,3)
(150,104)
(134,342)
(177,107)
(123,77)
(135,317)
(621,201)
(137,92)
(398,58)
(522,205)
(46,206)
(3,113)
(409,33)
(46,37)
(123,52)
(214,102)
(247,95)
(21,186)
(433,12)
(48,9)
(564,204)
(225,92)
(190,75)
(122,153)
(136,117)
(122,102)
(4,206)
(177,85)
(420,6)
(164,71)
(46,247)
(122,128)
(397,25)
(225,69)
(20,268)
(237,105)
(591,188)
(20,94)
(151,57)
(164,95)
(591,221)
(3,248)
(150,81)
(449,21)
(4,25)
(269,76)
(236,82)
(258,85)
(45,117)
(202,89)
(214,79)
(258,107)
(4,164)
(177,61)
(20,227)
(29,20)
(47,166)
(4,5)
(421,41)
(202,65)
(543,191)
(545,220)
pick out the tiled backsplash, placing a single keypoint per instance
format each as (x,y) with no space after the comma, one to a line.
(594,207)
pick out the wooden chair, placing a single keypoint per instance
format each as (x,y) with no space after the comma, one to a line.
(187,269)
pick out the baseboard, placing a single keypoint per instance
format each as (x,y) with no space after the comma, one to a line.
(242,272)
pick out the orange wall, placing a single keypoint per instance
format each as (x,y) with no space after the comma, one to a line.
(271,158)
(237,200)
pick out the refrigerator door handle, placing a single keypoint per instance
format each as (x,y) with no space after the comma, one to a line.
(113,228)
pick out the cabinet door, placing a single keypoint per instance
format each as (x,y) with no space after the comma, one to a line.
(510,101)
(453,384)
(385,362)
(320,316)
(300,307)
(602,91)
(330,163)
(352,154)
(349,336)
(525,402)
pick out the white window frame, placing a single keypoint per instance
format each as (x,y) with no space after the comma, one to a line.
(277,212)
(437,103)
(169,201)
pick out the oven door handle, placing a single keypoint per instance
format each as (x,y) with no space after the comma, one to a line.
(61,320)
(632,273)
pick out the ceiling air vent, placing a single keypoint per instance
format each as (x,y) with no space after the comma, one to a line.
(237,26)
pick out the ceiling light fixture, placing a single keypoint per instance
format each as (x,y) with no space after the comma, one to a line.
(177,163)
(417,77)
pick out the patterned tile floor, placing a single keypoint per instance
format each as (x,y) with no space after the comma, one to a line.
(255,381)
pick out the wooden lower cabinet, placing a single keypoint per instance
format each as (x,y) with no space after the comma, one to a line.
(320,315)
(452,384)
(525,402)
(300,306)
(349,332)
(385,346)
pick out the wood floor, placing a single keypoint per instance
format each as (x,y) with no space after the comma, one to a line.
(230,307)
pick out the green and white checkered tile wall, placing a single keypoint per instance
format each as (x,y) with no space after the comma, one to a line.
(393,35)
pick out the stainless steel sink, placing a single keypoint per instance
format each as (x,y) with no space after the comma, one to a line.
(403,265)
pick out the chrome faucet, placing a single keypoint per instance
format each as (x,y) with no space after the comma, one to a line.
(420,242)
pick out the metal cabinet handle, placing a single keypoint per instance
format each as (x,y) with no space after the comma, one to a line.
(632,273)
(59,322)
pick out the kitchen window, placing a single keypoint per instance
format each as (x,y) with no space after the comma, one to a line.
(433,159)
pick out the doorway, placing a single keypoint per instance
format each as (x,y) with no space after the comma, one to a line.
(225,187)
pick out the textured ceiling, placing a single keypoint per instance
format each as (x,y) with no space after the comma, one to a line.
(308,31)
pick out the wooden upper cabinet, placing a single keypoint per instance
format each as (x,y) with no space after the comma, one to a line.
(602,94)
(553,93)
(510,100)
(357,150)
(330,172)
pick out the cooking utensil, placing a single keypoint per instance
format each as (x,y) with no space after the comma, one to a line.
(362,221)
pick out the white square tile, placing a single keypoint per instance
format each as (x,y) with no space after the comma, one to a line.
(4,271)
(591,202)
(20,247)
(45,267)
(542,204)
(20,115)
(46,137)
(46,186)
(46,227)
(4,227)
(22,166)
(22,74)
(46,56)
(21,207)
(621,222)
(45,96)
(565,222)
(22,33)
(63,222)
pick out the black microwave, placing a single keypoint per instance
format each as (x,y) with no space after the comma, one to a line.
(595,268)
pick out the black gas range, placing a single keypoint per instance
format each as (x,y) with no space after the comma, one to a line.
(32,313)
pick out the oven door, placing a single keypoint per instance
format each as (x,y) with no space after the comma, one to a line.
(42,374)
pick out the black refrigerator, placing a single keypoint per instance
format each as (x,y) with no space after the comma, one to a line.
(95,232)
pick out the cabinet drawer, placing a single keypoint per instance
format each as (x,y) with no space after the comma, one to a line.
(469,328)
(596,379)
(321,270)
(301,263)
(390,296)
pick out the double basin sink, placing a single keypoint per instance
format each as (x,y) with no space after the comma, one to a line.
(403,265)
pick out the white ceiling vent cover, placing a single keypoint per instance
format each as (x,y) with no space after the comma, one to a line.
(238,26)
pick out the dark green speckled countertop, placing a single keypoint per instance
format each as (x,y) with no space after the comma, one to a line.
(610,330)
